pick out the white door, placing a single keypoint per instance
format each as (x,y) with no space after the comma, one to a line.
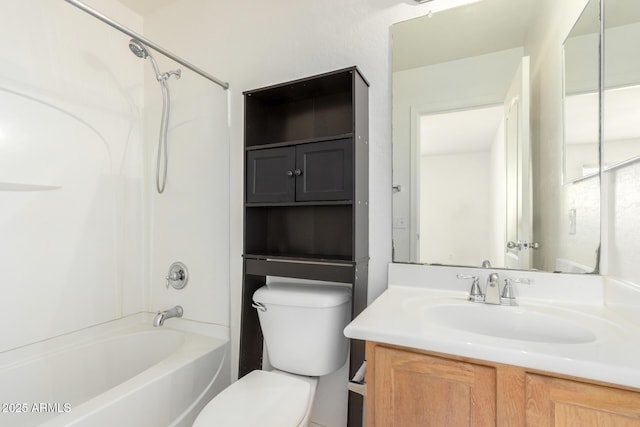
(518,166)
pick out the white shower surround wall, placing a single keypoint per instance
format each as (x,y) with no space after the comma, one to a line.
(93,242)
(74,256)
(123,373)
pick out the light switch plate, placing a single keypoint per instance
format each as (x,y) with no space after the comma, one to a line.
(572,221)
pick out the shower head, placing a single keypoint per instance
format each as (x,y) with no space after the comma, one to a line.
(141,51)
(138,49)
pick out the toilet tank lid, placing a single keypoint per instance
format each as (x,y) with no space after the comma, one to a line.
(302,295)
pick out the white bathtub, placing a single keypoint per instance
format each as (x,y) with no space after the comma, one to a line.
(123,373)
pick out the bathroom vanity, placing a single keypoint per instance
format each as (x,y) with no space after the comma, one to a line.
(410,387)
(562,356)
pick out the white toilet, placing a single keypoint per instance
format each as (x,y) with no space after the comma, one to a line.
(302,327)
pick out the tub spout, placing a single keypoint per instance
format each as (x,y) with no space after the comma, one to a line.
(166,314)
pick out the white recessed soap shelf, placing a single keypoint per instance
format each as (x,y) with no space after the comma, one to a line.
(14,186)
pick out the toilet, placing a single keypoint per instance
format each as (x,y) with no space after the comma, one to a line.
(302,328)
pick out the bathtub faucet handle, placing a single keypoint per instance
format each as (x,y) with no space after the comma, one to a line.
(178,276)
(174,276)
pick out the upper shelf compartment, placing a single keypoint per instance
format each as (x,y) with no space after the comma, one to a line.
(306,109)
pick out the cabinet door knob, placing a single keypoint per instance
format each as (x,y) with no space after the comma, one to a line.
(289,173)
(298,172)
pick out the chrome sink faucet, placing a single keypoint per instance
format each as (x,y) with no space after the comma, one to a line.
(167,314)
(492,292)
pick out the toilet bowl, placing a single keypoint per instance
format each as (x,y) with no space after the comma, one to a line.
(262,398)
(302,327)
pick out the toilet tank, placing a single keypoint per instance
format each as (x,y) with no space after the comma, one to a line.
(302,326)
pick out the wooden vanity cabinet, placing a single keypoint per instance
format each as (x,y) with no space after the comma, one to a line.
(414,389)
(560,402)
(408,387)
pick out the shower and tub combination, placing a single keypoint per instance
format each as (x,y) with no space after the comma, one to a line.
(79,347)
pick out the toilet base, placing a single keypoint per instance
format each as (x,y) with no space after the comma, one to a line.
(264,398)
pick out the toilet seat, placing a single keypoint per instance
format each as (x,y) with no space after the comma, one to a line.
(261,398)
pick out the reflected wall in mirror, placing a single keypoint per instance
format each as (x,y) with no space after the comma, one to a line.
(477,137)
(581,96)
(621,97)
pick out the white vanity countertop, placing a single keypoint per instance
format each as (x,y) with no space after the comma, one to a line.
(410,316)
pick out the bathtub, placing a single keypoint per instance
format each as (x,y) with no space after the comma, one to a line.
(122,373)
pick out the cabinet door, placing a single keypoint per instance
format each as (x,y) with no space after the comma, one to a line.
(270,175)
(559,402)
(413,389)
(324,171)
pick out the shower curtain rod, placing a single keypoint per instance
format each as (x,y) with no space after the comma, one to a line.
(146,42)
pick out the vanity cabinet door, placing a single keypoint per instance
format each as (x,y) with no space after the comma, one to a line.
(559,402)
(414,389)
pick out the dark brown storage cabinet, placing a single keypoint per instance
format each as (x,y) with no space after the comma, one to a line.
(306,211)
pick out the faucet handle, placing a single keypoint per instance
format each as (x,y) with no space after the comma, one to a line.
(508,297)
(178,276)
(475,293)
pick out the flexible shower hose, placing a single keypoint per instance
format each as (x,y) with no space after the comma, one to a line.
(162,140)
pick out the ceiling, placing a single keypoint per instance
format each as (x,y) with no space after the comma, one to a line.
(470,30)
(442,133)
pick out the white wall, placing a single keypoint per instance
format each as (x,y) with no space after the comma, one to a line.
(455,212)
(72,256)
(622,231)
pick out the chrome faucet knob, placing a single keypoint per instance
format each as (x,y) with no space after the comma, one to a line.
(475,293)
(178,276)
(508,296)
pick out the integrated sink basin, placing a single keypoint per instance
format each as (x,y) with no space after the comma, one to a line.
(565,324)
(514,323)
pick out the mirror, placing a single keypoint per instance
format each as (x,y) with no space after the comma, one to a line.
(581,96)
(621,97)
(477,140)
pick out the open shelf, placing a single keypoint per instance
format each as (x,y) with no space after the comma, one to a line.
(306,109)
(309,231)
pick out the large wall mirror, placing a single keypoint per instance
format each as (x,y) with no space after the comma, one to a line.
(478,131)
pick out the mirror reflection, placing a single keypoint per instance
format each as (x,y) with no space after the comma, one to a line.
(477,134)
(621,97)
(581,96)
